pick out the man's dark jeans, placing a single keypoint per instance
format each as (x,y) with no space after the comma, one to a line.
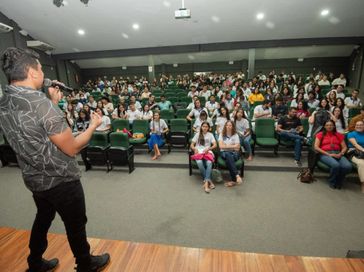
(68,200)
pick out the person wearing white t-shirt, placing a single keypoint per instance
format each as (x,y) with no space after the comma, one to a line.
(243,130)
(203,143)
(205,93)
(195,112)
(158,127)
(353,102)
(221,119)
(133,114)
(229,144)
(324,81)
(202,118)
(211,105)
(263,111)
(341,80)
(106,123)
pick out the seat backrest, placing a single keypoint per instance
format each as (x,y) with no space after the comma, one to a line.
(166,114)
(264,128)
(120,124)
(141,126)
(179,125)
(305,124)
(119,139)
(98,139)
(182,113)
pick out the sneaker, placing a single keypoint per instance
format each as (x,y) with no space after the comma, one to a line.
(45,266)
(298,163)
(98,263)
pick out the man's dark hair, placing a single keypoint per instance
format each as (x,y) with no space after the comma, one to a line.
(15,63)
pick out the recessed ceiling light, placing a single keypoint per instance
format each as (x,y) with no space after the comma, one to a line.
(215,19)
(167,4)
(125,36)
(260,16)
(65,3)
(136,26)
(81,32)
(325,12)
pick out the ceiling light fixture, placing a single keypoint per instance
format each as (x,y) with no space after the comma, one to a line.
(260,16)
(81,32)
(325,12)
(58,3)
(125,36)
(136,26)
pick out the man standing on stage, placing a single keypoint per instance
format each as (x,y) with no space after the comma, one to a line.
(37,131)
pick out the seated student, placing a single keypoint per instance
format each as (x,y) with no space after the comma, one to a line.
(229,144)
(255,96)
(195,112)
(193,91)
(133,114)
(279,109)
(228,101)
(312,102)
(191,106)
(119,112)
(202,145)
(341,104)
(332,147)
(211,105)
(359,117)
(164,104)
(263,111)
(151,102)
(221,119)
(107,105)
(91,102)
(106,123)
(290,128)
(147,114)
(137,104)
(205,92)
(243,130)
(356,149)
(339,120)
(201,118)
(353,102)
(158,127)
(319,117)
(146,93)
(83,121)
(302,111)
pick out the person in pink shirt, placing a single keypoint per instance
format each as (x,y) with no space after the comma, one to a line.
(331,147)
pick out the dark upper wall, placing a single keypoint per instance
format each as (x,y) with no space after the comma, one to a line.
(15,39)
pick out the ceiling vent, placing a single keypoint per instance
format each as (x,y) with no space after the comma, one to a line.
(5,28)
(40,45)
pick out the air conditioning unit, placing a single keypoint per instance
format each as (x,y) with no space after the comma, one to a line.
(5,28)
(40,45)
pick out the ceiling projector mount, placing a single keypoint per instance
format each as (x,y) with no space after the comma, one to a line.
(182,13)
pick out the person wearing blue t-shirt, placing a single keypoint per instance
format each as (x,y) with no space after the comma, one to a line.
(164,104)
(356,147)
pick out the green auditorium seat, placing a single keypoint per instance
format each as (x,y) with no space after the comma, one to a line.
(121,152)
(97,149)
(140,126)
(265,133)
(119,124)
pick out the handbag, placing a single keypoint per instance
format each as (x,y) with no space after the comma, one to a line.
(305,176)
(353,152)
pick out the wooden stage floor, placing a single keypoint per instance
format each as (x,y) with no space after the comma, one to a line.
(130,256)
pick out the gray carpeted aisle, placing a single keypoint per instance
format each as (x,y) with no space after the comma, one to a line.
(270,213)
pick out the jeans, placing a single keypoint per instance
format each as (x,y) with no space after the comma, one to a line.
(288,136)
(205,169)
(230,158)
(245,141)
(338,169)
(68,200)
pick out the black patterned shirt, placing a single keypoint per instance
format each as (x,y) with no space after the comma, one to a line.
(27,119)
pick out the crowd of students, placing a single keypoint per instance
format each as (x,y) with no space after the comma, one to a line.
(226,117)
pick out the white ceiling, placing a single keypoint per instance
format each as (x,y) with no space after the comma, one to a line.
(229,55)
(104,21)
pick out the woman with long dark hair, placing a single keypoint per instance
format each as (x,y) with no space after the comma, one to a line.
(229,144)
(331,147)
(83,121)
(202,145)
(243,129)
